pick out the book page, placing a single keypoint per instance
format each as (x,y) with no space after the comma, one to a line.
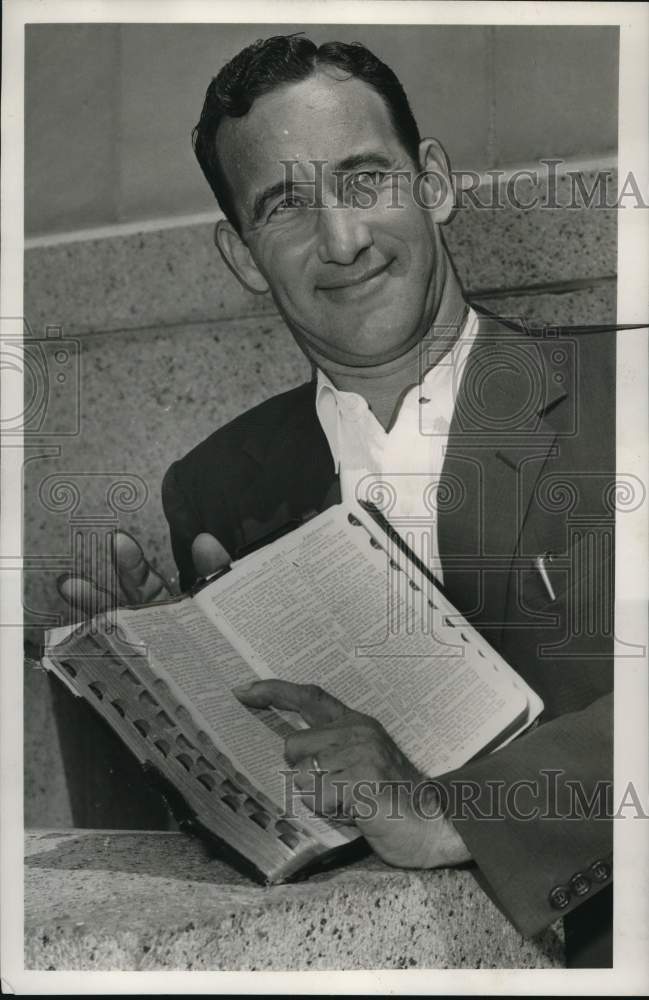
(201,667)
(324,605)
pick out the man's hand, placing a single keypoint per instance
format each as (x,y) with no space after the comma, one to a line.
(137,582)
(365,776)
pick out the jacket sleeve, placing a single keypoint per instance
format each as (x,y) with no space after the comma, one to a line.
(536,816)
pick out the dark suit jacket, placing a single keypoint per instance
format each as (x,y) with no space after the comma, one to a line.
(528,471)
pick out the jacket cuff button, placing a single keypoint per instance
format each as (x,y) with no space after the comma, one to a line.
(560,897)
(579,884)
(600,871)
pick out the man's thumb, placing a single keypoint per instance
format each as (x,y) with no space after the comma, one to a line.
(208,554)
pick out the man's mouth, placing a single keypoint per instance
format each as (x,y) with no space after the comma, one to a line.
(349,282)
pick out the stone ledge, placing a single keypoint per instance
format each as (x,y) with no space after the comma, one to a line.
(134,901)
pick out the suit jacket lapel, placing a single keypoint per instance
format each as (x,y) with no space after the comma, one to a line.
(502,432)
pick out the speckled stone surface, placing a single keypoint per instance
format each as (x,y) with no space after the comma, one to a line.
(136,901)
(175,276)
(508,247)
(161,278)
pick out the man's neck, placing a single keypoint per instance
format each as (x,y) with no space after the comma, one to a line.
(385,385)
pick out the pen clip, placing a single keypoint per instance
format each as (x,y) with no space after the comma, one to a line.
(540,563)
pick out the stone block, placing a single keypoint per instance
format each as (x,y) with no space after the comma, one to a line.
(150,901)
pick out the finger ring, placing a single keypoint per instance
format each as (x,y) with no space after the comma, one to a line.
(316,766)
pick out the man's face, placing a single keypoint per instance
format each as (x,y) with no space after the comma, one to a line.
(359,284)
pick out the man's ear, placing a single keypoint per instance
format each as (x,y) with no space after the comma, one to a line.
(435,188)
(238,258)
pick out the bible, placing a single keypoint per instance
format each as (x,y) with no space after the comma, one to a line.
(338,601)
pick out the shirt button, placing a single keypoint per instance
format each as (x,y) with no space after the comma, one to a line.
(559,897)
(579,884)
(600,871)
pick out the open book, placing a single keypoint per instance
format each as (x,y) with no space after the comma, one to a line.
(335,602)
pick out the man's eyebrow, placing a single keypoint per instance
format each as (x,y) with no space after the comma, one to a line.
(365,159)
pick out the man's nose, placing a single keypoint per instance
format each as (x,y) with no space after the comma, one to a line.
(342,234)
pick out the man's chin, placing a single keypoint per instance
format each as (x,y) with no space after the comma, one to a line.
(356,341)
(365,354)
(381,357)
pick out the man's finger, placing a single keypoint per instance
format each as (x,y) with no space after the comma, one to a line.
(304,744)
(85,596)
(209,555)
(138,579)
(314,705)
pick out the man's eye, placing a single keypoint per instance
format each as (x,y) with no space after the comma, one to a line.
(370,177)
(286,205)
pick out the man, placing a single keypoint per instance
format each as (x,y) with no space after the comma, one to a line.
(334,204)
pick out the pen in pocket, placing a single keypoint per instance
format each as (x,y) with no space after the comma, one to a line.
(540,563)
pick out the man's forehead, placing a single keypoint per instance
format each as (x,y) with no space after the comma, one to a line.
(324,118)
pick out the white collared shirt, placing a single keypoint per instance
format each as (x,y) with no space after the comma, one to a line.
(404,464)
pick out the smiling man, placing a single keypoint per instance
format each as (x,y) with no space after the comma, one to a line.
(333,204)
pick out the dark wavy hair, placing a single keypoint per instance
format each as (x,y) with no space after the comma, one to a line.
(272,62)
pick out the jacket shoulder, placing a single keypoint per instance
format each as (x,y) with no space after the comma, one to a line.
(250,429)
